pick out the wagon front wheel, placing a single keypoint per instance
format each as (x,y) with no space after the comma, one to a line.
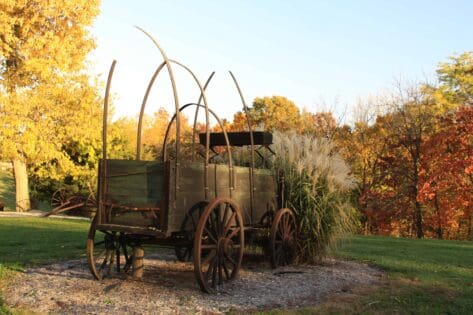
(107,253)
(218,244)
(283,242)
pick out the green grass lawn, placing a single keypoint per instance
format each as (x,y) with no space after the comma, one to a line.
(424,276)
(29,241)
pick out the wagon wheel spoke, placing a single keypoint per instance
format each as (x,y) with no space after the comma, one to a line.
(209,257)
(187,231)
(211,270)
(104,251)
(214,273)
(224,218)
(230,260)
(212,237)
(225,269)
(234,232)
(220,271)
(220,230)
(218,221)
(229,223)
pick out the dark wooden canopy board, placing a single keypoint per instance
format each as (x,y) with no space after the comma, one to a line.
(206,211)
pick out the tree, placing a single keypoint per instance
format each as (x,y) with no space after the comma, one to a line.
(412,120)
(447,174)
(154,132)
(43,48)
(362,147)
(239,122)
(321,124)
(122,138)
(456,80)
(275,113)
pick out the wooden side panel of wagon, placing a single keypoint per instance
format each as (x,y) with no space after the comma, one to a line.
(133,185)
(190,191)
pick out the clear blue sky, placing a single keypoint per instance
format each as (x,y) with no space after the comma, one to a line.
(312,52)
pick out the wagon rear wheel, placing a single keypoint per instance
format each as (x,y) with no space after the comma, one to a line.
(283,242)
(218,244)
(107,252)
(188,227)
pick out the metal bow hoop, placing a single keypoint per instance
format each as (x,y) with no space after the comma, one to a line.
(252,142)
(176,103)
(194,128)
(167,62)
(177,119)
(227,141)
(103,168)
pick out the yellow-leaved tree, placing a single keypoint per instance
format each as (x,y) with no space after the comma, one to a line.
(48,105)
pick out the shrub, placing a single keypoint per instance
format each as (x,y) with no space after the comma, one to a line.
(318,187)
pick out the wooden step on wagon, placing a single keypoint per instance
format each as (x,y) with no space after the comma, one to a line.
(207,211)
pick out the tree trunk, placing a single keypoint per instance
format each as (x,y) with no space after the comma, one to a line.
(439,223)
(21,186)
(418,220)
(470,228)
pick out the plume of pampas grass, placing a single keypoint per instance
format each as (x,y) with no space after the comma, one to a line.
(317,185)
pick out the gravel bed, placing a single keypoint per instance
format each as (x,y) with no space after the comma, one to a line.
(169,287)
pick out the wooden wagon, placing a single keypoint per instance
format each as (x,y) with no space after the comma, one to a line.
(205,210)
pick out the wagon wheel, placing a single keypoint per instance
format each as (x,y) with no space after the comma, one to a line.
(77,203)
(105,250)
(218,244)
(188,227)
(268,217)
(283,242)
(58,198)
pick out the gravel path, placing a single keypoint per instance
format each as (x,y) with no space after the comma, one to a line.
(169,287)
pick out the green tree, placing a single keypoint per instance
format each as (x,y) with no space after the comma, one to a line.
(456,80)
(44,94)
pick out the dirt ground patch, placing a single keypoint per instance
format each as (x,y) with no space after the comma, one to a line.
(168,286)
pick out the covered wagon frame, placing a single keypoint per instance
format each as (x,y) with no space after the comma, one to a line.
(204,210)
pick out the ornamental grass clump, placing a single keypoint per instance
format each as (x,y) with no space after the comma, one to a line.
(317,187)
